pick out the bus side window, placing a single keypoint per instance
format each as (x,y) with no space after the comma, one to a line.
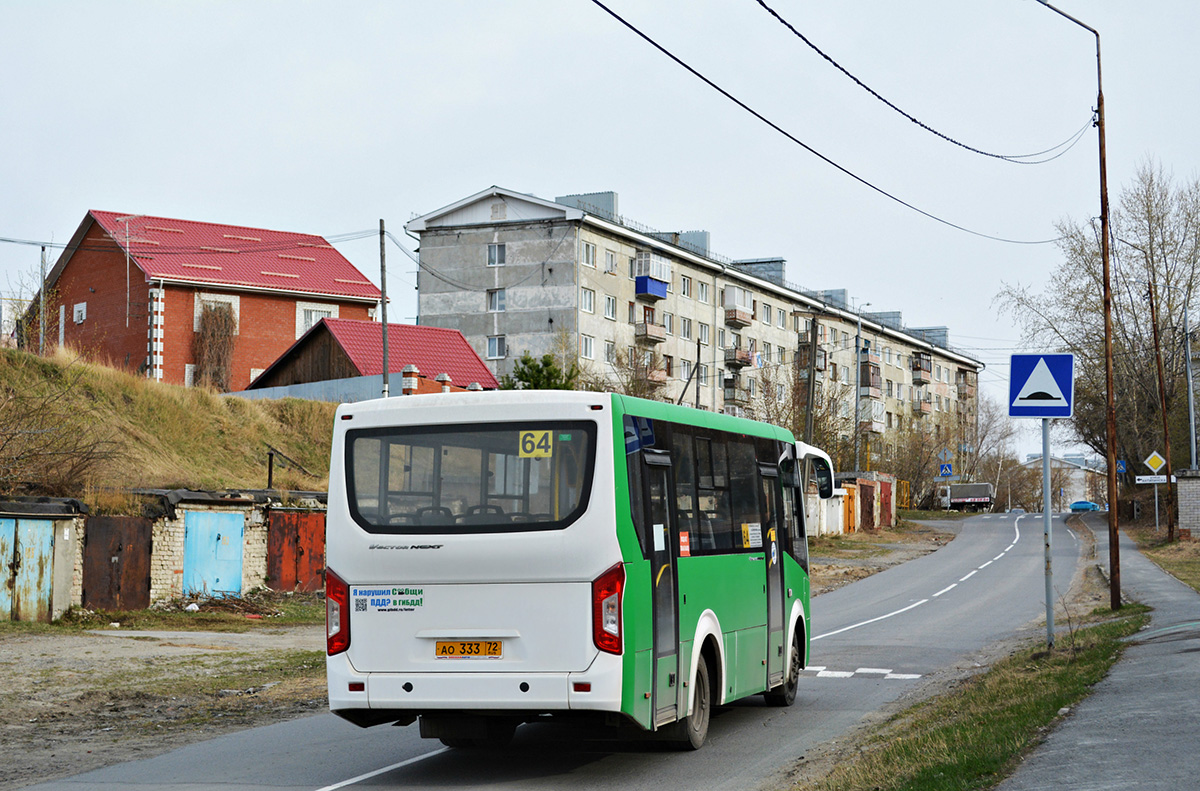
(716,531)
(793,517)
(748,527)
(683,459)
(636,501)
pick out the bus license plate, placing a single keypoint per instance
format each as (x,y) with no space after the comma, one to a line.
(469,649)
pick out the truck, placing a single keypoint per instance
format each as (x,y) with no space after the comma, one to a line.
(967,496)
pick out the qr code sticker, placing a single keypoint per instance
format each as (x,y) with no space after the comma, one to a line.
(360,605)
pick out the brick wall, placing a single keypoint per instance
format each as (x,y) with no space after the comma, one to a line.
(167,541)
(1187,487)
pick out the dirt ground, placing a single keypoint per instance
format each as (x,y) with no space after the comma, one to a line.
(78,701)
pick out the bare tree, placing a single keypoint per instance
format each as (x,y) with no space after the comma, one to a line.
(640,374)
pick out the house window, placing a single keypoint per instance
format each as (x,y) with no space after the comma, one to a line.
(587,347)
(766,313)
(495,300)
(495,255)
(610,351)
(588,255)
(495,347)
(702,292)
(685,286)
(610,262)
(255,373)
(80,312)
(307,315)
(669,323)
(235,302)
(668,364)
(702,375)
(587,300)
(781,318)
(703,333)
(685,329)
(632,313)
(610,307)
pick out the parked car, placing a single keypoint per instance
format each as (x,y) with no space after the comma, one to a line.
(1083,505)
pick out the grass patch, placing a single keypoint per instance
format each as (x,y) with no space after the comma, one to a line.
(972,737)
(914,513)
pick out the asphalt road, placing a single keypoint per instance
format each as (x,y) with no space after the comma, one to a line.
(873,640)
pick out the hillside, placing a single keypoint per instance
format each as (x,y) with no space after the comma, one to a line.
(70,427)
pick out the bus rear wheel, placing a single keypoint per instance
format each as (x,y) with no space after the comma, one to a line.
(690,732)
(785,693)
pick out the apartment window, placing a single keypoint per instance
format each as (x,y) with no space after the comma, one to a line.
(766,352)
(495,255)
(778,392)
(766,313)
(721,337)
(887,354)
(702,292)
(833,335)
(702,376)
(685,369)
(668,320)
(587,255)
(668,364)
(685,286)
(703,333)
(587,347)
(752,345)
(610,351)
(587,300)
(889,388)
(685,329)
(610,307)
(781,318)
(633,268)
(632,313)
(610,262)
(751,387)
(495,300)
(495,347)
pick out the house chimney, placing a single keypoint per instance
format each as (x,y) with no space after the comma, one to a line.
(475,387)
(444,378)
(408,384)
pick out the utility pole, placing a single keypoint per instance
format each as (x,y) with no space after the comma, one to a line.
(857,379)
(387,368)
(812,381)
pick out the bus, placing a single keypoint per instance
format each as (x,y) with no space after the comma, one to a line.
(500,558)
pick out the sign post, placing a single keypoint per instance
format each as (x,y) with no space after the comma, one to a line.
(1155,462)
(1043,386)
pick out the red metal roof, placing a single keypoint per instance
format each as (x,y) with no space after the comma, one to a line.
(233,255)
(433,350)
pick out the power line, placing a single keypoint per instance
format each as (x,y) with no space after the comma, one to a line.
(804,145)
(1017,159)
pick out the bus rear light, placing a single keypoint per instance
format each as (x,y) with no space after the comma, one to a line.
(606,609)
(337,614)
(582,686)
(358,686)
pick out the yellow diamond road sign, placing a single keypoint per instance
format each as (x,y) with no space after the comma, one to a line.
(1155,461)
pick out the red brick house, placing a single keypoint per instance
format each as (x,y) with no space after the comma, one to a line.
(130,291)
(345,348)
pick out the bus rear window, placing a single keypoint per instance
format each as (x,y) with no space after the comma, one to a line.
(470,478)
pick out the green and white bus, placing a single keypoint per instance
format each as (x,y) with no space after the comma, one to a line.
(508,557)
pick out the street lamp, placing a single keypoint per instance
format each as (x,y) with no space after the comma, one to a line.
(1110,408)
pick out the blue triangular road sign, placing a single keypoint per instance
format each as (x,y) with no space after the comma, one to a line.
(1041,385)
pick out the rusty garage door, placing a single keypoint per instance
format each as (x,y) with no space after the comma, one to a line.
(296,550)
(26,568)
(116,563)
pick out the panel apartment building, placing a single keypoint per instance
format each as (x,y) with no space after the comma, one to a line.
(515,273)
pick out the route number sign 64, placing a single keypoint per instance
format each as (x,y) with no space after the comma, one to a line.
(535,445)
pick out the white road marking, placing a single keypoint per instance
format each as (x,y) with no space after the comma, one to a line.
(881,671)
(1072,532)
(872,620)
(377,772)
(985,565)
(999,556)
(835,674)
(943,590)
(1010,546)
(972,574)
(903,676)
(815,668)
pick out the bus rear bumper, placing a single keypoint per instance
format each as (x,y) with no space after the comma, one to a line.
(596,689)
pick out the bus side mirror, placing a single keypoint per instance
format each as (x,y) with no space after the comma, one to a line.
(823,474)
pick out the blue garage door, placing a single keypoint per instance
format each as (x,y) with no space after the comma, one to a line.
(212,553)
(27,550)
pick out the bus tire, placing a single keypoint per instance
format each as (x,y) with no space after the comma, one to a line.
(785,693)
(690,732)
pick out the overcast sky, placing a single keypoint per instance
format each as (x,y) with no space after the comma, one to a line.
(324,118)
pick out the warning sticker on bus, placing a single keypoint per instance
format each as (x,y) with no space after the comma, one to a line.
(751,535)
(535,445)
(398,599)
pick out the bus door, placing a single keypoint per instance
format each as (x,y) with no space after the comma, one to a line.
(660,495)
(774,536)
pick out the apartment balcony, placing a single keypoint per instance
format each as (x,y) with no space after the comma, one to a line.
(650,289)
(736,396)
(922,368)
(921,407)
(738,317)
(874,393)
(966,390)
(870,426)
(649,333)
(656,375)
(738,358)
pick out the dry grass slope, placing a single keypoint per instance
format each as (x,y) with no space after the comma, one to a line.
(165,436)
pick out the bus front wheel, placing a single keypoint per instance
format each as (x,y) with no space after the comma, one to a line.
(689,733)
(785,693)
